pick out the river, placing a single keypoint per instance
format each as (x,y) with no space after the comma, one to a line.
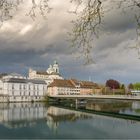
(38,120)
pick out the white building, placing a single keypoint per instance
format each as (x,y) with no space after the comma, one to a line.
(17,88)
(49,75)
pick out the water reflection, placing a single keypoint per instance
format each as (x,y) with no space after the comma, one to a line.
(117,106)
(36,120)
(57,115)
(15,115)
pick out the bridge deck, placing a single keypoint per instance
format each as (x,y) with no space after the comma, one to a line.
(121,97)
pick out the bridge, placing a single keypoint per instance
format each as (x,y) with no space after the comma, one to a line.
(94,96)
(135,92)
(81,99)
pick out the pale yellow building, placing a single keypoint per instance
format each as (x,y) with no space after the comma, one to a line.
(73,87)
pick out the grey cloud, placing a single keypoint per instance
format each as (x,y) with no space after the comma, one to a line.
(47,40)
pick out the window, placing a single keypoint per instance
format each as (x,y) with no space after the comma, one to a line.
(24,87)
(37,87)
(20,86)
(12,86)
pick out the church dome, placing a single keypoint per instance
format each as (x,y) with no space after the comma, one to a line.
(55,62)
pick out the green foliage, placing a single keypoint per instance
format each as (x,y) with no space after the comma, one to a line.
(122,86)
(136,86)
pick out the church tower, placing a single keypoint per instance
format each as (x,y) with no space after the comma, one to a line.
(50,69)
(56,67)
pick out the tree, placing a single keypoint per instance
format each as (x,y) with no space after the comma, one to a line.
(113,84)
(8,7)
(130,86)
(122,86)
(90,15)
(136,86)
(89,23)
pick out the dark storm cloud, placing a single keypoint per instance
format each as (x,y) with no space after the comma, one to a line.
(25,43)
(106,43)
(118,21)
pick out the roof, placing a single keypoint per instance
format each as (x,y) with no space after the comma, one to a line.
(3,74)
(54,73)
(42,72)
(36,81)
(46,73)
(84,84)
(15,74)
(73,83)
(15,80)
(18,80)
(88,84)
(61,83)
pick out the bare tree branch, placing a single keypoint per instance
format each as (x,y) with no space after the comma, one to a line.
(42,6)
(9,7)
(89,23)
(86,27)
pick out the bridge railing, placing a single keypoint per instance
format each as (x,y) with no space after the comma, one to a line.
(135,91)
(98,96)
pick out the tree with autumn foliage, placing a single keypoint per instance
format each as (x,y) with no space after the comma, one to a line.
(113,84)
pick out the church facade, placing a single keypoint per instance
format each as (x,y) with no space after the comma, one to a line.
(49,75)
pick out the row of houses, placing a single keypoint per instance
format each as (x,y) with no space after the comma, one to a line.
(17,88)
(73,87)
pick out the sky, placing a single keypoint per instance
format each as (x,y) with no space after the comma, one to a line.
(26,43)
